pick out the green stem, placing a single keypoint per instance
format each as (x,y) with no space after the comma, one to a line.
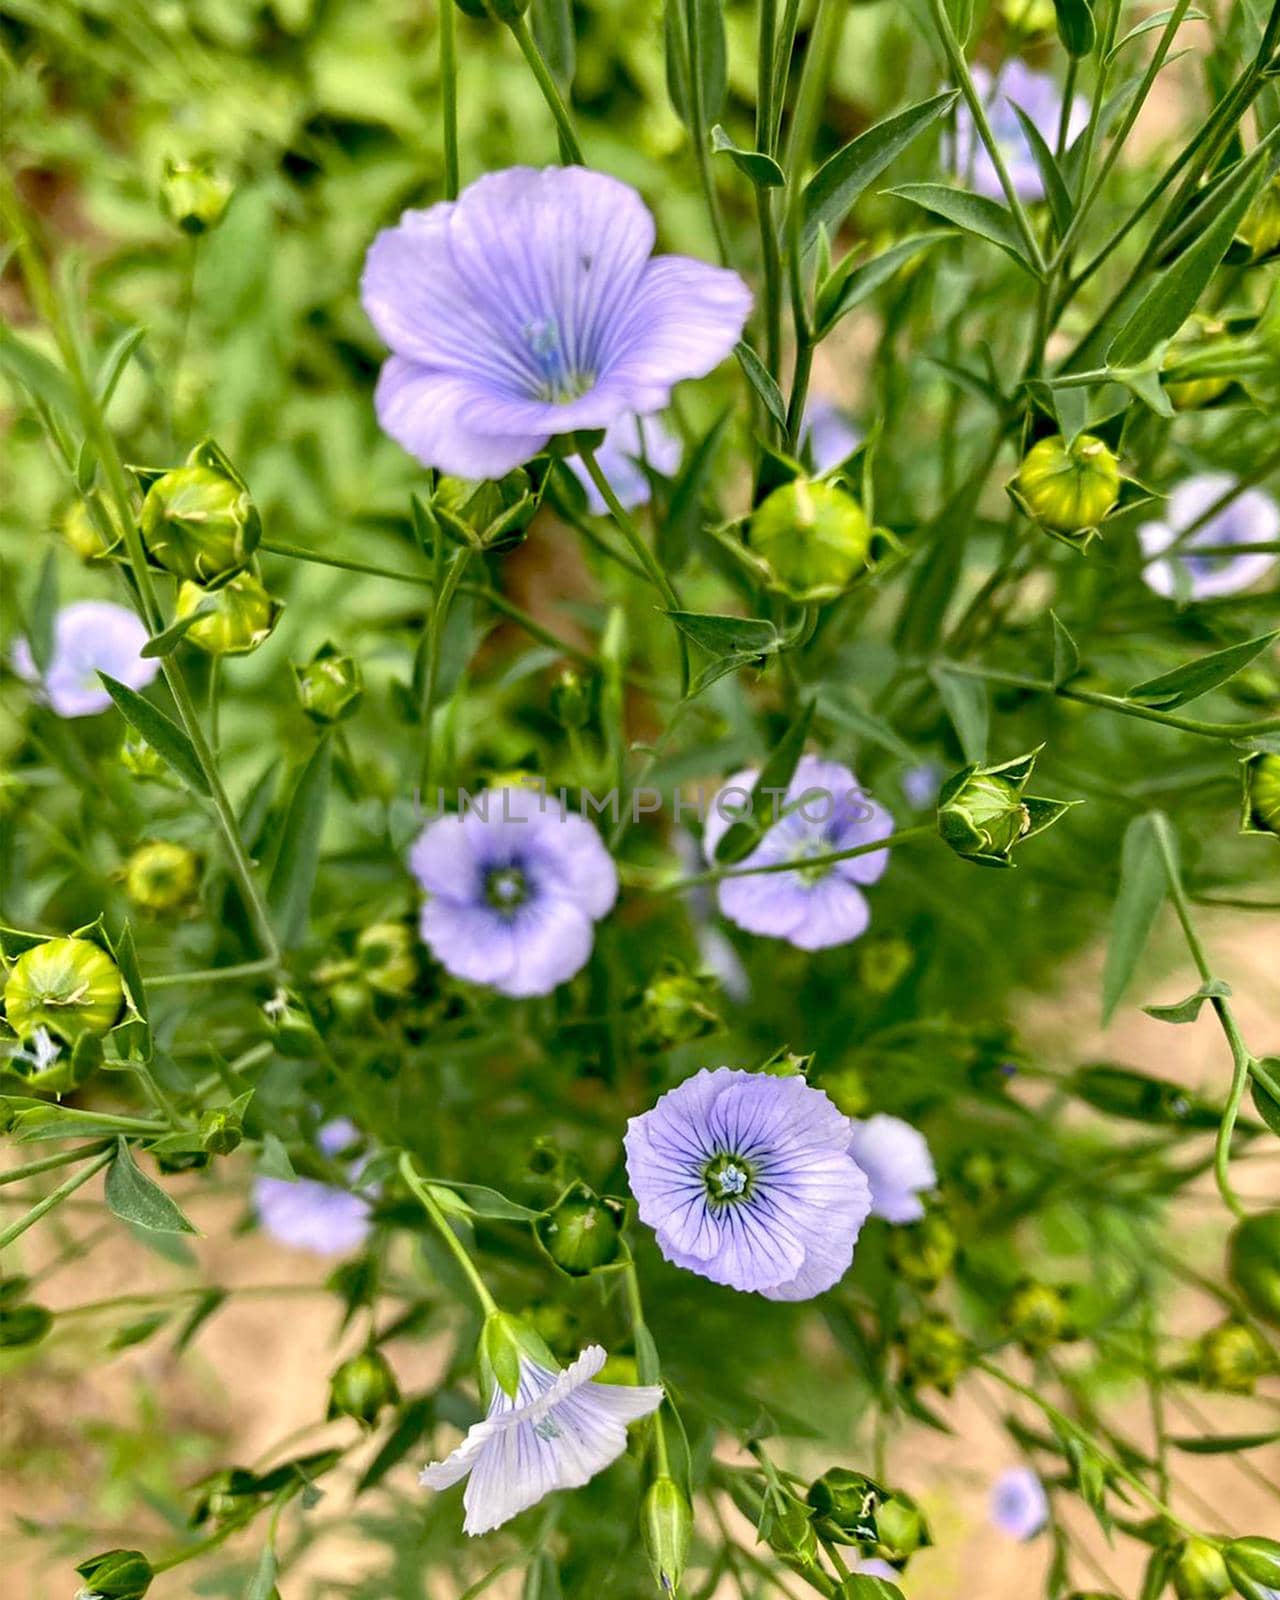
(644,1364)
(550,90)
(64,1158)
(439,619)
(698,127)
(771,261)
(432,1207)
(921,830)
(55,1197)
(206,975)
(449,97)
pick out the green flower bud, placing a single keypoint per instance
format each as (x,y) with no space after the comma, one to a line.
(1253,1263)
(666,1526)
(1068,488)
(901,1530)
(242,617)
(789,1533)
(194,195)
(675,1008)
(221,1131)
(330,686)
(492,515)
(923,1252)
(813,539)
(115,1575)
(23,1325)
(1260,229)
(503,1339)
(1199,1572)
(81,532)
(161,876)
(1195,339)
(361,1387)
(291,1027)
(1232,1358)
(228,1498)
(387,954)
(198,521)
(1254,1565)
(68,987)
(570,702)
(142,760)
(1261,811)
(1039,1316)
(935,1354)
(848,1501)
(984,812)
(580,1232)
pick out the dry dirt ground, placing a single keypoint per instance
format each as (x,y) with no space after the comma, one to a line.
(256,1375)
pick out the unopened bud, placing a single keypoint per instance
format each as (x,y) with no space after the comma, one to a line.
(848,1500)
(221,1131)
(198,521)
(676,1008)
(923,1252)
(1068,488)
(291,1027)
(985,812)
(81,532)
(67,987)
(1253,1263)
(494,513)
(1254,1566)
(387,954)
(330,686)
(1196,338)
(813,539)
(666,1526)
(361,1387)
(115,1575)
(1199,1572)
(580,1232)
(194,195)
(1039,1316)
(1261,810)
(790,1534)
(935,1354)
(570,703)
(1260,229)
(238,617)
(161,876)
(901,1529)
(1232,1358)
(23,1325)
(228,1498)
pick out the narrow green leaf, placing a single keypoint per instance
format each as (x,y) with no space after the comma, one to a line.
(677,530)
(274,1161)
(415,1418)
(762,381)
(847,288)
(844,709)
(707,54)
(262,1585)
(44,382)
(761,169)
(1141,893)
(294,874)
(42,611)
(164,736)
(164,644)
(553,29)
(975,213)
(835,188)
(1225,1444)
(1189,1009)
(1149,24)
(477,1201)
(1055,187)
(859,1587)
(1075,27)
(134,1198)
(1066,653)
(741,837)
(728,636)
(1189,682)
(676,51)
(1265,1090)
(968,706)
(115,362)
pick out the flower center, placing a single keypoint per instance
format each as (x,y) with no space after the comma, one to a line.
(728,1178)
(506,889)
(557,381)
(814,845)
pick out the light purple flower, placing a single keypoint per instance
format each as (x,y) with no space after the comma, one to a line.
(530,307)
(627,443)
(89,636)
(557,1432)
(830,435)
(896,1160)
(514,888)
(1019,1505)
(921,783)
(1041,98)
(1252,518)
(873,1567)
(310,1215)
(812,907)
(747,1180)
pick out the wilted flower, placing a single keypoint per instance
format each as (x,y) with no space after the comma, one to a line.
(556,1432)
(89,636)
(746,1179)
(829,435)
(896,1160)
(64,987)
(310,1215)
(1041,98)
(514,887)
(529,308)
(1251,518)
(1019,1506)
(627,443)
(811,907)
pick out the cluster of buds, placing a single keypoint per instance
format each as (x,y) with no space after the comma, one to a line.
(194,194)
(362,1387)
(490,516)
(330,686)
(985,812)
(676,1007)
(1261,809)
(812,540)
(581,1232)
(935,1354)
(1039,1316)
(162,876)
(1068,487)
(924,1252)
(115,1575)
(850,1508)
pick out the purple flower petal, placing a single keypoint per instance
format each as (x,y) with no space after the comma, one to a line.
(898,1166)
(1019,1505)
(89,636)
(830,435)
(1041,98)
(309,1215)
(1251,518)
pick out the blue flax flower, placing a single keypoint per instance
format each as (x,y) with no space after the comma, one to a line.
(747,1180)
(829,434)
(556,1432)
(899,1168)
(531,307)
(308,1214)
(514,888)
(1019,1505)
(812,907)
(1251,518)
(89,637)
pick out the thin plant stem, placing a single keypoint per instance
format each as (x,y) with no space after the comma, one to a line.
(644,1346)
(441,1223)
(718,874)
(550,90)
(64,1158)
(206,975)
(449,97)
(55,1197)
(431,678)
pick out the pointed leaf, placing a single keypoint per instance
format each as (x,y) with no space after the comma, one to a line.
(1189,682)
(1055,187)
(845,289)
(115,362)
(294,874)
(164,736)
(675,535)
(164,644)
(986,219)
(1141,893)
(42,612)
(762,170)
(1189,1009)
(134,1198)
(720,636)
(1225,1443)
(761,380)
(969,708)
(1066,653)
(262,1585)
